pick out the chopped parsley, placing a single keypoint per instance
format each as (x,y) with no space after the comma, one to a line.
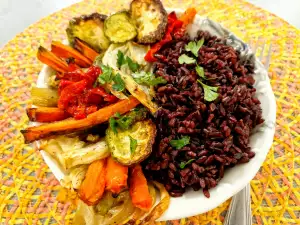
(210,93)
(123,60)
(180,143)
(186,59)
(194,46)
(148,79)
(106,75)
(133,144)
(119,84)
(200,71)
(183,164)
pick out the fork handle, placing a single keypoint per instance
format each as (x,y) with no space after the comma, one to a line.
(239,212)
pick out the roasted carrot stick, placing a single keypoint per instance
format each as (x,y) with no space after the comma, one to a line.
(71,125)
(65,51)
(188,16)
(138,189)
(116,176)
(85,49)
(46,114)
(93,185)
(51,60)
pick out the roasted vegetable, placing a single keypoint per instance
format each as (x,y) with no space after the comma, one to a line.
(120,210)
(46,114)
(51,60)
(71,151)
(132,145)
(89,28)
(160,208)
(125,121)
(93,185)
(44,97)
(108,211)
(116,176)
(71,125)
(119,27)
(139,191)
(141,92)
(151,20)
(65,51)
(74,177)
(88,52)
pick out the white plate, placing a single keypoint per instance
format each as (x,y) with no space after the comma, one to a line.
(235,179)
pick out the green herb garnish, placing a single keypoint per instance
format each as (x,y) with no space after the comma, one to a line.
(113,124)
(210,93)
(194,46)
(119,84)
(200,71)
(186,59)
(132,65)
(183,164)
(180,143)
(106,75)
(148,79)
(133,144)
(123,61)
(124,122)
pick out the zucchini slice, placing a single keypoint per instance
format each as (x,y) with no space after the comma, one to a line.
(143,132)
(150,18)
(119,27)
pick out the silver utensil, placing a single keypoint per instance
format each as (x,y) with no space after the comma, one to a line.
(239,212)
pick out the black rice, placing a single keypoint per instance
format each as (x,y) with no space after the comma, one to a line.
(219,131)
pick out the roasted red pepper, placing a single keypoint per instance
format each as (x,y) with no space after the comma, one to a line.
(173,24)
(70,92)
(107,97)
(77,95)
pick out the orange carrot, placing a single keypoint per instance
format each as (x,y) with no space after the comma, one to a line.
(138,189)
(46,114)
(51,60)
(85,49)
(65,51)
(93,185)
(116,176)
(188,16)
(71,125)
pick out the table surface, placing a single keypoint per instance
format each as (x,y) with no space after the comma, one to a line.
(16,15)
(28,189)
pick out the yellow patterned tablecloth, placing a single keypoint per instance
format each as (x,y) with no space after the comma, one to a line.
(28,188)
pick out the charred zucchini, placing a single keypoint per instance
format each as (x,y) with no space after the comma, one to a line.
(132,145)
(89,28)
(151,20)
(119,27)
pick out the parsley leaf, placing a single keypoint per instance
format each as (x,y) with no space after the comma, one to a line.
(133,144)
(132,65)
(106,75)
(186,59)
(210,93)
(119,84)
(183,164)
(124,122)
(180,143)
(200,71)
(148,79)
(113,124)
(194,46)
(121,59)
